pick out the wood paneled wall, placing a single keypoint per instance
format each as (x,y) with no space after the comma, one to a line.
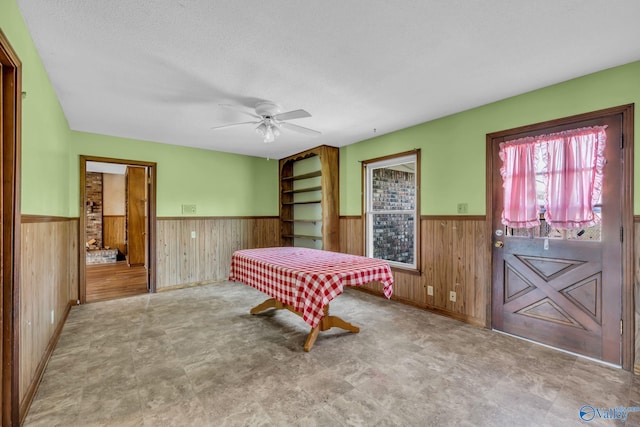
(455,257)
(351,235)
(48,283)
(636,285)
(113,232)
(183,260)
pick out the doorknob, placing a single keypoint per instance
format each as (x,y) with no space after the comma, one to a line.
(499,244)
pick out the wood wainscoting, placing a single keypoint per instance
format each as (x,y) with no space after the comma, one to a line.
(455,256)
(48,289)
(636,286)
(183,260)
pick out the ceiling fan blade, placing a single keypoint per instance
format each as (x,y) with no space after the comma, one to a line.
(234,124)
(295,114)
(300,129)
(240,109)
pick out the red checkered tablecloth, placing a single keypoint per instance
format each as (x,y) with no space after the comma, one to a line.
(307,279)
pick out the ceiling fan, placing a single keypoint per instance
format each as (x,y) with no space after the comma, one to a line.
(270,120)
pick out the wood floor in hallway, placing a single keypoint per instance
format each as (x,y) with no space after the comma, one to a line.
(115,280)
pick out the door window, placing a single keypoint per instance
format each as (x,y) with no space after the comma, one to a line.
(552,185)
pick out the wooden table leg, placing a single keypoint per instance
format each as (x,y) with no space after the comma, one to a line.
(337,322)
(311,338)
(270,303)
(326,323)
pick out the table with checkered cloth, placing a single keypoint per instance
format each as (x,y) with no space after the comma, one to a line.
(307,279)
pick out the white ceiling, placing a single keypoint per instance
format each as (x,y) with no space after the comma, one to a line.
(158,69)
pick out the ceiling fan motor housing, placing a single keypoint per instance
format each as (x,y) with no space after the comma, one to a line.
(267,109)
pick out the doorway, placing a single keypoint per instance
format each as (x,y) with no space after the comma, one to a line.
(10,119)
(563,286)
(117,228)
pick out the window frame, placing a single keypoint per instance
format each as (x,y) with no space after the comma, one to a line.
(367,167)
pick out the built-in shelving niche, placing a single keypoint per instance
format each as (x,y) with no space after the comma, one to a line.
(309,199)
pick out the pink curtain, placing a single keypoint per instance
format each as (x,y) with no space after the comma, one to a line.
(519,182)
(569,163)
(574,161)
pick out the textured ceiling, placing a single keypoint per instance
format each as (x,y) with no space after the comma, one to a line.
(158,70)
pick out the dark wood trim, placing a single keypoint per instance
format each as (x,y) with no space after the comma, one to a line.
(418,238)
(151,237)
(117,161)
(562,123)
(636,218)
(30,219)
(10,139)
(415,151)
(627,113)
(178,218)
(490,170)
(454,217)
(628,273)
(307,153)
(46,356)
(82,234)
(350,216)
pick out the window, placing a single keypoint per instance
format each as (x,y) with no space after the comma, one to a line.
(392,209)
(553,184)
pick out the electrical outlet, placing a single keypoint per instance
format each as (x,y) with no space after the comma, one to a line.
(452,296)
(430,290)
(463,208)
(193,234)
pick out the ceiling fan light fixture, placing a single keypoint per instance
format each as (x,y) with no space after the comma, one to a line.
(269,135)
(261,129)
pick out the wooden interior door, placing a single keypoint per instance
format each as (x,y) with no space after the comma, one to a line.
(563,288)
(10,120)
(136,221)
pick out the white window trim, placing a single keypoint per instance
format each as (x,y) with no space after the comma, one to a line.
(369,167)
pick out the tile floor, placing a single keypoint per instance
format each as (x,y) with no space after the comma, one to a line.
(196,357)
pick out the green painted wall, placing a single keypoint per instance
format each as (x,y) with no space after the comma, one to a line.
(219,184)
(45,132)
(453,147)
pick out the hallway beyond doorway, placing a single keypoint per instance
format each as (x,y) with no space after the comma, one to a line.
(115,280)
